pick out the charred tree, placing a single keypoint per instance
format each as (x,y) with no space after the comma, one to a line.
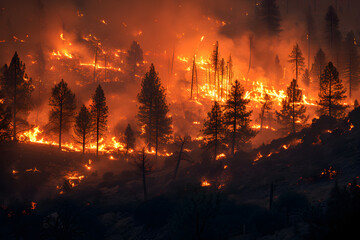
(214,128)
(144,167)
(99,113)
(293,110)
(16,89)
(183,141)
(215,62)
(62,103)
(236,117)
(153,110)
(306,78)
(332,93)
(278,70)
(82,127)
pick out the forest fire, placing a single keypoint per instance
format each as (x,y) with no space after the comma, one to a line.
(203,114)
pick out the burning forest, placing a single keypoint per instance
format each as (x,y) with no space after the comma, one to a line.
(179,119)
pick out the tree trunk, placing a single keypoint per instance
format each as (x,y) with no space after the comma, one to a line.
(83,142)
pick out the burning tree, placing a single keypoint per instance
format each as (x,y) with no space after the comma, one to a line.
(266,105)
(332,93)
(62,103)
(134,58)
(293,110)
(215,58)
(236,117)
(153,110)
(297,60)
(318,65)
(269,13)
(351,62)
(129,138)
(99,113)
(82,127)
(214,129)
(16,90)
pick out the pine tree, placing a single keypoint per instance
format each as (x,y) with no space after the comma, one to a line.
(82,127)
(230,74)
(214,129)
(269,14)
(236,117)
(62,103)
(266,105)
(99,113)
(129,138)
(332,33)
(318,66)
(332,93)
(351,63)
(134,58)
(153,110)
(297,60)
(292,114)
(16,90)
(306,78)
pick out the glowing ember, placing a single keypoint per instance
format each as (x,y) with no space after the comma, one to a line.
(220,156)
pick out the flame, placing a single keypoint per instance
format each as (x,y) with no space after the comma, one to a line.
(220,156)
(33,205)
(205,183)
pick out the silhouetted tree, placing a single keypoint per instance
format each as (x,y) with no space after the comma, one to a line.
(82,127)
(269,14)
(266,105)
(332,33)
(99,113)
(62,103)
(351,62)
(236,117)
(134,58)
(222,73)
(297,60)
(293,110)
(318,66)
(306,78)
(129,138)
(332,93)
(153,110)
(214,128)
(5,120)
(16,90)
